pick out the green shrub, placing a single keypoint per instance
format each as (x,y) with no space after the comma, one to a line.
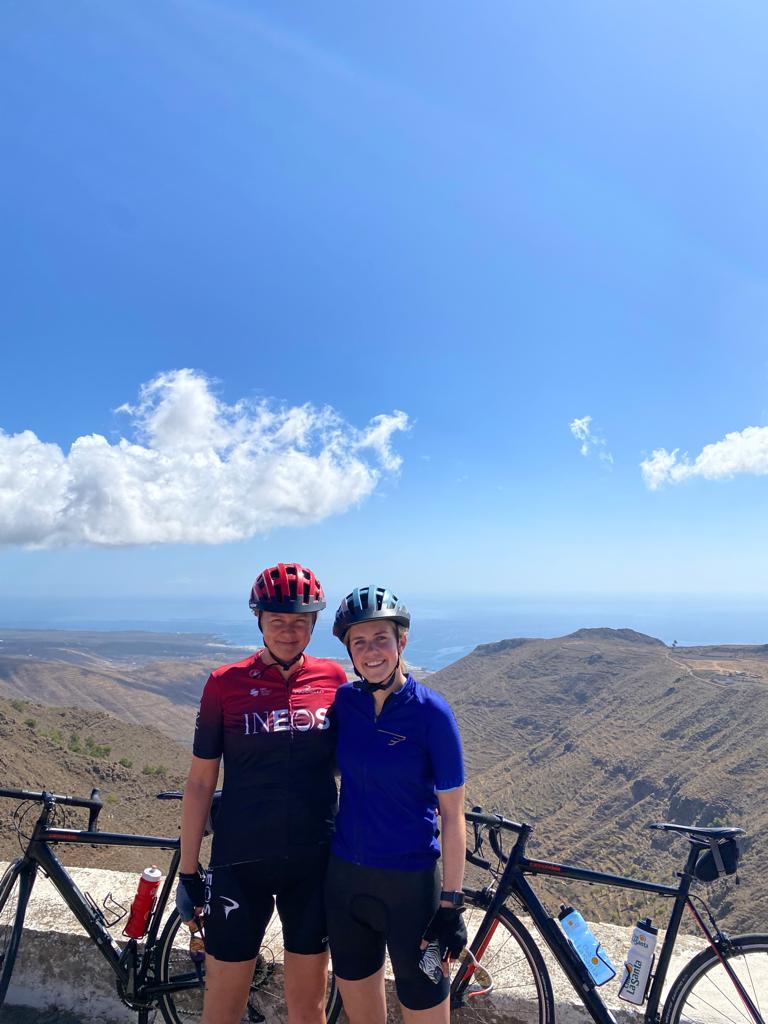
(74,743)
(18,704)
(31,722)
(96,749)
(158,770)
(126,762)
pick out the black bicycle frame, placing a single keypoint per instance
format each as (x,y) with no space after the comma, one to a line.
(130,968)
(514,883)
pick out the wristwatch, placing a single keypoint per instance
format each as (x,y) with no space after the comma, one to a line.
(453,896)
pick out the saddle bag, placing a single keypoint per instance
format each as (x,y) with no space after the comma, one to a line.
(720,859)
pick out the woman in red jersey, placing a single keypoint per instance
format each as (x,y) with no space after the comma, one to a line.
(267,717)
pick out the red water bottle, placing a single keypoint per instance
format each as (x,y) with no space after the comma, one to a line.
(143,902)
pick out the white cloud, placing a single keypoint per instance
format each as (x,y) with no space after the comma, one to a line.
(744,451)
(589,440)
(197,471)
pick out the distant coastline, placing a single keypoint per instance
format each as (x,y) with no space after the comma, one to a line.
(442,633)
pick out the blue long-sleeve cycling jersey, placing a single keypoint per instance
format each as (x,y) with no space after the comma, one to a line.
(391,770)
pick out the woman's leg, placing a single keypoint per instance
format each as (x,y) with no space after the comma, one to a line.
(434,1015)
(305,983)
(422,1001)
(238,908)
(226,990)
(364,1001)
(301,907)
(357,923)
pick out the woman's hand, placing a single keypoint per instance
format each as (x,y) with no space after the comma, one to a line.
(448,930)
(190,894)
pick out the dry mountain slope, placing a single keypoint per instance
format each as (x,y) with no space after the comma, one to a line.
(594,735)
(149,678)
(72,750)
(589,736)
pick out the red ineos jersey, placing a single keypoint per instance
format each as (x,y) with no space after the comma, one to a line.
(274,735)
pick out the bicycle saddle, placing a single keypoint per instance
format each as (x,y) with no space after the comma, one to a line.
(704,835)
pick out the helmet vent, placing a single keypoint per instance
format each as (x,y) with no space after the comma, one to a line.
(287,587)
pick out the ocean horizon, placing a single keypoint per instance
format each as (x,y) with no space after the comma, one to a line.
(439,634)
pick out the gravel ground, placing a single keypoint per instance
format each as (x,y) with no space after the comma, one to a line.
(26,1015)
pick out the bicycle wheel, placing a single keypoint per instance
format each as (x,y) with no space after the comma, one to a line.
(522,990)
(704,993)
(15,887)
(185,1004)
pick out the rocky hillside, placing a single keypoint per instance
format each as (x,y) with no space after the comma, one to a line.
(590,737)
(72,750)
(146,678)
(593,736)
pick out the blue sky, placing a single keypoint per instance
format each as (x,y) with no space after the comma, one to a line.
(443,277)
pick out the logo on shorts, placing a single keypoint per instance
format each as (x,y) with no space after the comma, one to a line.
(229,905)
(207,896)
(394,737)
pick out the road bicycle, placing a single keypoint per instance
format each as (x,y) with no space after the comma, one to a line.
(504,976)
(157,974)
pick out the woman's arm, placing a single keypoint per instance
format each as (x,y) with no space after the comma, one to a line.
(453,837)
(201,782)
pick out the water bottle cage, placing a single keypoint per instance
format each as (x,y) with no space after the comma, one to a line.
(112,912)
(648,980)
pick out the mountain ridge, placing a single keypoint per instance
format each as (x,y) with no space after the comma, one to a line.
(589,736)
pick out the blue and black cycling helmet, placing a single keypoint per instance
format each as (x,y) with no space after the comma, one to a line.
(366,604)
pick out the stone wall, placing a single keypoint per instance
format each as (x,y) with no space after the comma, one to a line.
(59,967)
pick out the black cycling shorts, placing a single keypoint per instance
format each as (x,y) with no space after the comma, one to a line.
(240,899)
(371,910)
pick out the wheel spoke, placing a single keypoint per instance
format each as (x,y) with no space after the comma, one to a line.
(520,991)
(707,994)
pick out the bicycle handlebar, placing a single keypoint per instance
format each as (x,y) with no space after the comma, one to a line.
(493,821)
(91,802)
(495,824)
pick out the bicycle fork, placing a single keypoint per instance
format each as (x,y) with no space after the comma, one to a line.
(470,968)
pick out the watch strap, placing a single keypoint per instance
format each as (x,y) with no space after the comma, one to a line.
(453,896)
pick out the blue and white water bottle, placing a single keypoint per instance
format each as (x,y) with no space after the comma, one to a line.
(590,952)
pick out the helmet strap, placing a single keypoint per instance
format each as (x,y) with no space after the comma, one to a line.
(285,665)
(362,684)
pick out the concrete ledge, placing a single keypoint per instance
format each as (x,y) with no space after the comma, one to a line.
(58,965)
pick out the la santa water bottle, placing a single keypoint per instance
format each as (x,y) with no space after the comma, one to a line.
(590,952)
(143,902)
(637,968)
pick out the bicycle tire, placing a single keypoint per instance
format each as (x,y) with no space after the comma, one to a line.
(173,965)
(705,994)
(522,990)
(15,887)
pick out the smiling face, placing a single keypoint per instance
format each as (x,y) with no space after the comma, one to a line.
(375,649)
(286,635)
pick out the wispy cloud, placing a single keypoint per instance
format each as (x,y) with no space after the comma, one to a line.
(743,451)
(197,471)
(590,441)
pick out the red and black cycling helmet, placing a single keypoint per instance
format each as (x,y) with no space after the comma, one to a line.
(287,587)
(366,604)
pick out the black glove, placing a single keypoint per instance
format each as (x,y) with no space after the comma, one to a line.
(448,930)
(190,893)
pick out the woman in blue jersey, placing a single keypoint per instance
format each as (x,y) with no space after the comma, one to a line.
(267,718)
(399,755)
